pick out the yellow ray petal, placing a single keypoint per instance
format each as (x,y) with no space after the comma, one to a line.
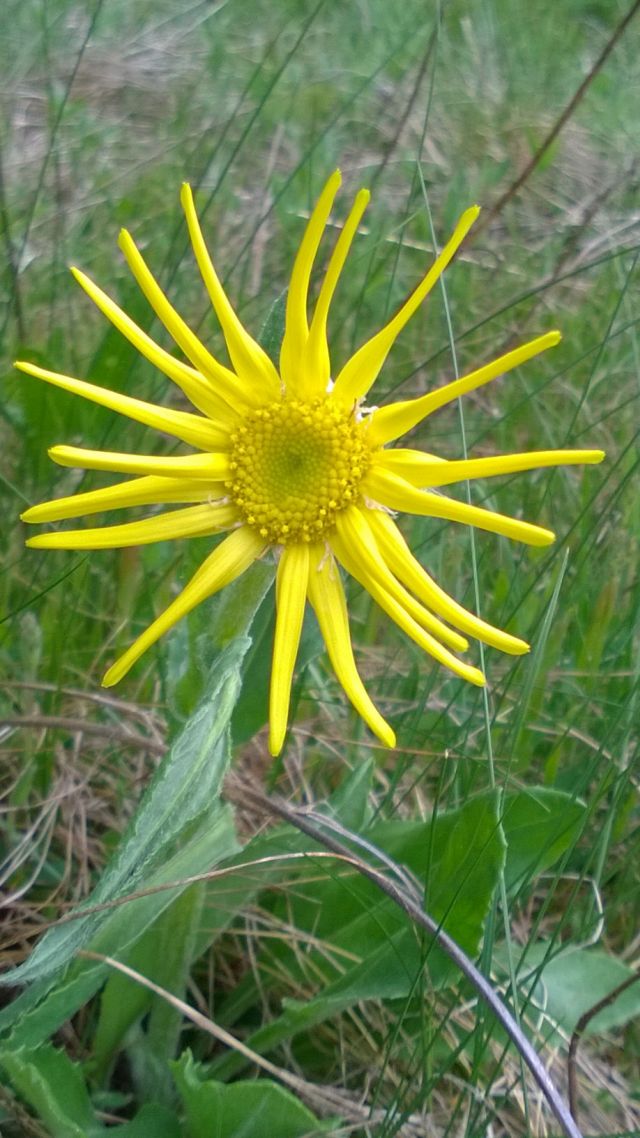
(231,386)
(402,562)
(296,329)
(354,534)
(422,470)
(200,391)
(192,429)
(389,490)
(229,560)
(361,569)
(249,359)
(195,521)
(363,368)
(149,491)
(328,601)
(388,423)
(315,367)
(214,467)
(416,466)
(291,594)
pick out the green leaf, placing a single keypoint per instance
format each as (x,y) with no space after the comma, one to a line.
(163,954)
(252,709)
(243,1109)
(246,603)
(539,825)
(46,1005)
(40,1010)
(458,855)
(181,797)
(152,1121)
(55,1089)
(532,686)
(576,980)
(181,828)
(122,1002)
(174,954)
(350,802)
(273,328)
(226,897)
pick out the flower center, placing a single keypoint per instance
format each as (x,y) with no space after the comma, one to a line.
(294,466)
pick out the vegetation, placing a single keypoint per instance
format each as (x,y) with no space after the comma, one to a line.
(292,997)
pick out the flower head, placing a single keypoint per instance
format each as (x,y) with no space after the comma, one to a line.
(293,461)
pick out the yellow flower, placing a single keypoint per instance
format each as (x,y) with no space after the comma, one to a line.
(295,462)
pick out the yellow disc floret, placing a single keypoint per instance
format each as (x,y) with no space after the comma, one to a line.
(294,466)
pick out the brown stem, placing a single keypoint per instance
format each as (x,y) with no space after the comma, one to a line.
(559,123)
(69,723)
(578,1032)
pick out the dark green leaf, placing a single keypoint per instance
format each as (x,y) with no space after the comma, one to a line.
(162,954)
(458,856)
(54,1088)
(539,825)
(152,1121)
(575,980)
(242,1110)
(273,328)
(181,798)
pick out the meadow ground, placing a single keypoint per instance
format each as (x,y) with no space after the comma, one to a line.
(105,110)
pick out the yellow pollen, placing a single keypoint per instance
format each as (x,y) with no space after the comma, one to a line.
(295,466)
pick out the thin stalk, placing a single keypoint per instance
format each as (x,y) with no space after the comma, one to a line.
(407,899)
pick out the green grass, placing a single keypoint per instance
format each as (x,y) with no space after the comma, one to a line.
(103,116)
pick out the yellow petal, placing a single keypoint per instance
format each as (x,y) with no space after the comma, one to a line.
(192,429)
(363,368)
(408,463)
(402,562)
(398,613)
(354,534)
(386,488)
(214,467)
(328,601)
(291,594)
(423,470)
(229,560)
(315,370)
(388,423)
(229,385)
(249,359)
(296,329)
(200,391)
(147,491)
(195,521)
